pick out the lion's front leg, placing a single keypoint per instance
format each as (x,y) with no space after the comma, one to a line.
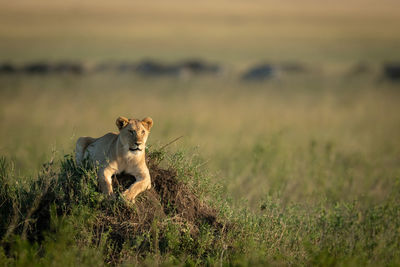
(105,181)
(143,182)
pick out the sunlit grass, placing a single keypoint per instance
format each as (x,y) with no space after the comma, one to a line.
(298,137)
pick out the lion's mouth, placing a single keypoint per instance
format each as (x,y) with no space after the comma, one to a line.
(134,149)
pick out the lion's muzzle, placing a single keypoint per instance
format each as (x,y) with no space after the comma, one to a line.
(135,147)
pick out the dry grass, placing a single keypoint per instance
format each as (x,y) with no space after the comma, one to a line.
(231,31)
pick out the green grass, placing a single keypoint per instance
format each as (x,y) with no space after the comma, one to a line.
(303,169)
(307,168)
(60,218)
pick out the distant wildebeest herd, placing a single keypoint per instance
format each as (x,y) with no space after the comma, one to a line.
(146,68)
(151,68)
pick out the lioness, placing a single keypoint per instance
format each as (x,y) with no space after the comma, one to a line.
(116,153)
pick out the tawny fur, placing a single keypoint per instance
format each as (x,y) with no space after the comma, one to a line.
(119,152)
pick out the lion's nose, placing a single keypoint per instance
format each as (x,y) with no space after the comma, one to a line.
(137,143)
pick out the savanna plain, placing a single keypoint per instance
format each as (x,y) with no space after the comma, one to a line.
(299,169)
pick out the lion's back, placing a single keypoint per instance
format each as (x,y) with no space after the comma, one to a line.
(98,150)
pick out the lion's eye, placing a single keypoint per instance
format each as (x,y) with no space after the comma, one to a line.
(143,131)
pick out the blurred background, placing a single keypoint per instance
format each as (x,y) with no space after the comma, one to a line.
(296,99)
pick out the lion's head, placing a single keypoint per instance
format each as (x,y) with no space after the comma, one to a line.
(134,133)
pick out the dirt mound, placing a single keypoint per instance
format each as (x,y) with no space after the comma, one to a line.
(168,200)
(168,197)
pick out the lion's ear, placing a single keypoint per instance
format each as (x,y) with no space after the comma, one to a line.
(121,122)
(147,123)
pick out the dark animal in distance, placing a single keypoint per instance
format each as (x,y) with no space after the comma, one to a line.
(260,73)
(7,68)
(37,68)
(391,71)
(49,68)
(199,67)
(153,68)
